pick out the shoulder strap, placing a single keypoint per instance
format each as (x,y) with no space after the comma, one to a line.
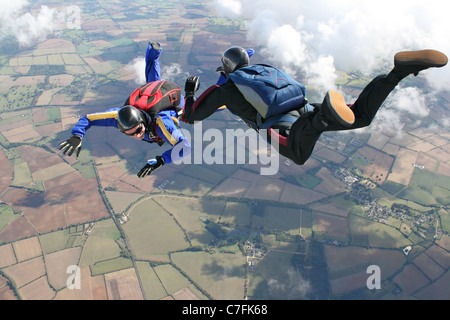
(156,96)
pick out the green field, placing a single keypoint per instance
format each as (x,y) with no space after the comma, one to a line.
(275,277)
(54,241)
(151,285)
(107,266)
(101,244)
(276,220)
(308,181)
(22,175)
(392,187)
(237,213)
(379,235)
(445,220)
(152,233)
(222,274)
(18,97)
(203,173)
(6,215)
(172,279)
(187,185)
(189,213)
(417,194)
(423,179)
(443,182)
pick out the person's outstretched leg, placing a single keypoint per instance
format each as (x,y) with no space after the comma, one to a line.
(412,62)
(368,103)
(152,68)
(332,115)
(305,132)
(375,93)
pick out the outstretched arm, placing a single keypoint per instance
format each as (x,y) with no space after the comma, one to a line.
(201,108)
(198,109)
(168,128)
(105,119)
(73,144)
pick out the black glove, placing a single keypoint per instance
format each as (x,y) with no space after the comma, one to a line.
(192,85)
(151,166)
(222,71)
(71,145)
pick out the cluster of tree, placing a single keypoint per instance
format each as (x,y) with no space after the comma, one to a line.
(46,69)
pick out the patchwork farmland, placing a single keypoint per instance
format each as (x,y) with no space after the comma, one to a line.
(201,231)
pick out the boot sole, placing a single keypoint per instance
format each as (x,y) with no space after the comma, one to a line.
(427,58)
(341,111)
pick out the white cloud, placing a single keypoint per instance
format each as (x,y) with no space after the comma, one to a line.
(9,8)
(387,121)
(28,27)
(229,8)
(292,285)
(322,74)
(172,71)
(359,35)
(400,105)
(168,72)
(410,100)
(312,39)
(137,66)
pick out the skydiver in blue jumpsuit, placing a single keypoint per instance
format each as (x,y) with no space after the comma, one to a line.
(297,130)
(157,127)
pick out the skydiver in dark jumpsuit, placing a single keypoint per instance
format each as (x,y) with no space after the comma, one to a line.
(297,131)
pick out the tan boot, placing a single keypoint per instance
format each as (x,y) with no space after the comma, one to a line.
(334,109)
(412,62)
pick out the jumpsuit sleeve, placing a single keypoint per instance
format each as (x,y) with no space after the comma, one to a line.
(106,118)
(152,67)
(168,128)
(205,105)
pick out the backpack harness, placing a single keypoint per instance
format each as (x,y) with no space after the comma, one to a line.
(153,98)
(272,92)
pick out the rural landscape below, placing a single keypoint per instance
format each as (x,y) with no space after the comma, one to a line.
(202,231)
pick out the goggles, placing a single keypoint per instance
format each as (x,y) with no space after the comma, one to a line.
(137,131)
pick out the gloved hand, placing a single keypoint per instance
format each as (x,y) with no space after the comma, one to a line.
(222,71)
(192,85)
(71,145)
(151,166)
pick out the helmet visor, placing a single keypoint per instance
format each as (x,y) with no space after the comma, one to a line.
(128,118)
(137,131)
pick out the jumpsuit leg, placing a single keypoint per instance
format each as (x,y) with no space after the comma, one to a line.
(304,135)
(152,68)
(369,102)
(301,139)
